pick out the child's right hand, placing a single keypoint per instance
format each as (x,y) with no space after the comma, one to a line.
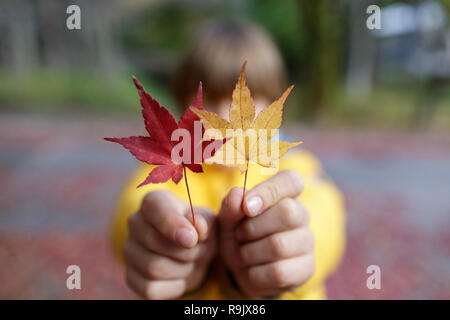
(165,255)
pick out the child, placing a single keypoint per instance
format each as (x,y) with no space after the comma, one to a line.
(284,241)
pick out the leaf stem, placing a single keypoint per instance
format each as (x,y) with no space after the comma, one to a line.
(189,195)
(245,181)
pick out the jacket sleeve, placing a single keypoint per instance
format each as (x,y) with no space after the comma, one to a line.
(325,205)
(128,203)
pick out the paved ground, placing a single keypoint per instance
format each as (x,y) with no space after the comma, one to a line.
(58,181)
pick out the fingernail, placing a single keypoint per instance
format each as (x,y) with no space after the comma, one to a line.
(254,205)
(184,237)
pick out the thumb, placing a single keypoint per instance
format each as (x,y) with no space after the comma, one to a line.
(205,222)
(231,212)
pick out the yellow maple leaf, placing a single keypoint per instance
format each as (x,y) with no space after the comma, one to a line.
(248,138)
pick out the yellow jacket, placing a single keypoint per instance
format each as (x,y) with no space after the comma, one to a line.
(320,196)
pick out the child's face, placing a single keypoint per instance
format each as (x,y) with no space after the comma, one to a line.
(222,108)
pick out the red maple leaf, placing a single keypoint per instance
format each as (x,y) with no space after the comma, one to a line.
(157,148)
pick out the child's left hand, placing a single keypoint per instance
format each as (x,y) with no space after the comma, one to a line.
(266,243)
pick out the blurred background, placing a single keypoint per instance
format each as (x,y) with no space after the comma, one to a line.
(373,105)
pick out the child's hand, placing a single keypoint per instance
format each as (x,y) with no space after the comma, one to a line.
(267,243)
(165,255)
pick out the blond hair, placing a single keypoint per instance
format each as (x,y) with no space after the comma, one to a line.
(217,56)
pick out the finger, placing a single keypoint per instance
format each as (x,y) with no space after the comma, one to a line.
(283,273)
(277,246)
(197,277)
(154,290)
(165,212)
(284,184)
(287,214)
(152,240)
(231,211)
(205,222)
(154,266)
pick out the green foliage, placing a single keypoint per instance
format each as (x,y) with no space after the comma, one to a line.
(78,89)
(284,23)
(312,36)
(170,26)
(166,26)
(387,106)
